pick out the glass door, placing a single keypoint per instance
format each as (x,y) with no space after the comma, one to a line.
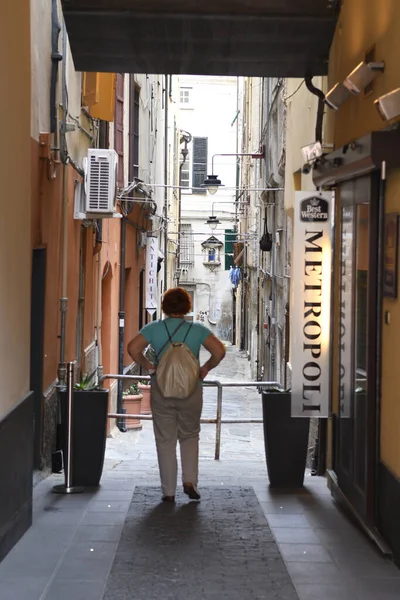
(357,321)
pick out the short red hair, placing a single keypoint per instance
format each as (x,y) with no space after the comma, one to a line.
(176,301)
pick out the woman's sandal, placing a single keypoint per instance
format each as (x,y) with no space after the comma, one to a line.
(191,491)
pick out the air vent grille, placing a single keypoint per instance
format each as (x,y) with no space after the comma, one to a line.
(99,186)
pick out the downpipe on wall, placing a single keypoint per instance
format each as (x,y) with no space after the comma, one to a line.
(167,96)
(62,367)
(121,424)
(99,308)
(273,328)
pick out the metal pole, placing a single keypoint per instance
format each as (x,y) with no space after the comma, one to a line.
(218,423)
(67,488)
(204,421)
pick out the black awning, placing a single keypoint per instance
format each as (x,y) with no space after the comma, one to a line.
(272,38)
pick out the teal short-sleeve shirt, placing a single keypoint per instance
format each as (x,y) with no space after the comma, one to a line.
(156,334)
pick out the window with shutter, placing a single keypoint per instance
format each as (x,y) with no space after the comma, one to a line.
(90,88)
(104,107)
(119,127)
(230,238)
(199,167)
(136,112)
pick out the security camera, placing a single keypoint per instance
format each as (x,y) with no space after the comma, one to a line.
(306,168)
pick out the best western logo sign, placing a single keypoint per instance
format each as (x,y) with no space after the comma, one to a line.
(314,209)
(311,311)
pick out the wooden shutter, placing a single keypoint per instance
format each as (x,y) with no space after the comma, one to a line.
(104,108)
(90,89)
(119,127)
(230,238)
(199,173)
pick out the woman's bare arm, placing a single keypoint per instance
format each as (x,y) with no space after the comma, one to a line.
(217,350)
(135,349)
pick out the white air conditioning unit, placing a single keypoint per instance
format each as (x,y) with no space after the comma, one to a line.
(101,183)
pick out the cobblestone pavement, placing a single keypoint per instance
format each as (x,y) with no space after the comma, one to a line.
(70,548)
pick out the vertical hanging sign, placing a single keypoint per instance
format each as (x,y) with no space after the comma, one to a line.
(151,274)
(311,311)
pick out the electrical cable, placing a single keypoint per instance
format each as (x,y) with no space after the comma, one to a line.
(286,98)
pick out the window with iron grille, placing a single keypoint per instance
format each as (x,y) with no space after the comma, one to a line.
(199,172)
(187,246)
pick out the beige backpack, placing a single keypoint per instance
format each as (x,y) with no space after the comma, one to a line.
(178,369)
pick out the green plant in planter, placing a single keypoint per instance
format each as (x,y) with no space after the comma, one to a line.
(144,382)
(86,383)
(132,390)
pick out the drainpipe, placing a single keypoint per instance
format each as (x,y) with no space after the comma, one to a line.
(273,329)
(244,287)
(56,57)
(121,327)
(321,106)
(185,138)
(99,313)
(62,368)
(166,183)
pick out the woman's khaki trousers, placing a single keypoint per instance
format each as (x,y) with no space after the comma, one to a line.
(176,419)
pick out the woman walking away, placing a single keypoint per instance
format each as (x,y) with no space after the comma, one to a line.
(176,387)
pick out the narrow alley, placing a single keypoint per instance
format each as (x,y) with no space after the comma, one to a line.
(233,166)
(243,540)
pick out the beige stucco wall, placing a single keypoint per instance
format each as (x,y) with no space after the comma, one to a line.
(15,235)
(363,24)
(41,27)
(300,130)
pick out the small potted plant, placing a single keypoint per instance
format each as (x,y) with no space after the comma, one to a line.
(144,389)
(132,403)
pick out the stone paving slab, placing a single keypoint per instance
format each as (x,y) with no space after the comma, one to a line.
(88,527)
(220,547)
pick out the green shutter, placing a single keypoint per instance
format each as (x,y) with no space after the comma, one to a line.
(200,149)
(230,239)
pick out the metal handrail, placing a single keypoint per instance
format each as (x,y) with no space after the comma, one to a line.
(208,383)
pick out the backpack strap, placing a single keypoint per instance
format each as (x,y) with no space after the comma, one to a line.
(169,337)
(187,333)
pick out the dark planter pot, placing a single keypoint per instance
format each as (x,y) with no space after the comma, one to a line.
(286,441)
(89,430)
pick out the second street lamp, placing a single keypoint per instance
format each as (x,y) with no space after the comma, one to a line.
(213,222)
(212,183)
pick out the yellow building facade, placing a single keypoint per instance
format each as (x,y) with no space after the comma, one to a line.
(361,164)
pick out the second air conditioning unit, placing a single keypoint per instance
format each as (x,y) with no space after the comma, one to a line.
(101,183)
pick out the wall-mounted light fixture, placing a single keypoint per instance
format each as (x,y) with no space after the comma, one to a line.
(362,76)
(389,105)
(212,183)
(213,222)
(337,96)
